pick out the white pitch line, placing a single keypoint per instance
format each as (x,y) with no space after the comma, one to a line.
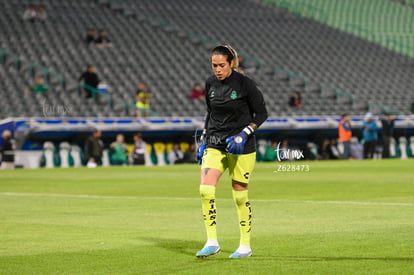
(197,199)
(93,196)
(340,202)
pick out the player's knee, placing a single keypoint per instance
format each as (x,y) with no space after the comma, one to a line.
(207,191)
(240,201)
(240,198)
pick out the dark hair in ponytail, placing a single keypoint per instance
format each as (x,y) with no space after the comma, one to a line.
(231,54)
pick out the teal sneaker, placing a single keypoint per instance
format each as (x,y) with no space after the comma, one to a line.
(208,251)
(237,254)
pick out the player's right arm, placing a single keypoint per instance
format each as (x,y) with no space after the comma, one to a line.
(202,144)
(207,88)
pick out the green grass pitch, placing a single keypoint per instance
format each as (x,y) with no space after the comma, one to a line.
(341,217)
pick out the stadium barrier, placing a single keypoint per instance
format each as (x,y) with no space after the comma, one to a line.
(128,105)
(5,54)
(161,132)
(47,73)
(157,153)
(96,93)
(293,78)
(375,107)
(338,94)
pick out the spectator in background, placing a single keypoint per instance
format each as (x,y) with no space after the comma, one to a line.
(7,151)
(102,40)
(283,151)
(357,149)
(190,154)
(90,80)
(333,150)
(270,152)
(296,100)
(345,135)
(118,150)
(94,149)
(198,93)
(242,66)
(30,14)
(143,100)
(90,37)
(329,150)
(387,121)
(41,14)
(175,156)
(140,147)
(370,135)
(40,87)
(324,150)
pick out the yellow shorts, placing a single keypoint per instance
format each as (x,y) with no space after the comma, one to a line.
(240,167)
(141,105)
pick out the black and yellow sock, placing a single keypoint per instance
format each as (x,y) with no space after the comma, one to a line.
(208,203)
(244,211)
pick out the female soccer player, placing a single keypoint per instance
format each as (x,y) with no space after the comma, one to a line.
(235,109)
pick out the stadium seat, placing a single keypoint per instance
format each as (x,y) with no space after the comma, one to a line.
(148,153)
(75,153)
(105,158)
(393,148)
(64,149)
(49,154)
(411,147)
(159,149)
(402,143)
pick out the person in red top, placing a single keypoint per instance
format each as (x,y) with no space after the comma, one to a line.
(296,100)
(345,135)
(198,93)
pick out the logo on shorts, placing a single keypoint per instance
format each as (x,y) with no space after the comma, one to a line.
(246,175)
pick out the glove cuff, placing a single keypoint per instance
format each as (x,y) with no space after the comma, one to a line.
(203,136)
(248,130)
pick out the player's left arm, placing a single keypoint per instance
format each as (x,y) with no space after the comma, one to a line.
(235,144)
(257,104)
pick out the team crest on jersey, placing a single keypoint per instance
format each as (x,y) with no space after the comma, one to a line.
(211,93)
(233,94)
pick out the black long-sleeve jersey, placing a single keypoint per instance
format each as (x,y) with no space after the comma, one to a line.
(232,104)
(90,79)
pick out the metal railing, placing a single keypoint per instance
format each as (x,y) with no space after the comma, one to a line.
(95,93)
